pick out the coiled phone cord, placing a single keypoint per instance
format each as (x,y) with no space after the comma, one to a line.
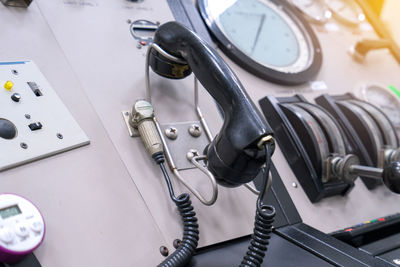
(183,254)
(262,226)
(263,223)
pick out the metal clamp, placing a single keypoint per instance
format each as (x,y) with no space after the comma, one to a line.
(195,160)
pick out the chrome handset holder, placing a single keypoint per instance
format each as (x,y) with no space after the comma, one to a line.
(196,158)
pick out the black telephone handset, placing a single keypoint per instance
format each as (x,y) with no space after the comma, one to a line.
(233,156)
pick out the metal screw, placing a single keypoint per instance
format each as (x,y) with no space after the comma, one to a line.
(24,145)
(195,130)
(129,21)
(127,113)
(294,184)
(177,243)
(164,251)
(191,154)
(60,136)
(27,116)
(171,133)
(15,72)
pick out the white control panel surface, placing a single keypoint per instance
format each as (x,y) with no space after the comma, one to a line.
(115,189)
(43,126)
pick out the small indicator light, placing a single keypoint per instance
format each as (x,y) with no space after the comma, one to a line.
(367,222)
(349,230)
(374,221)
(381,219)
(394,90)
(143,43)
(8,85)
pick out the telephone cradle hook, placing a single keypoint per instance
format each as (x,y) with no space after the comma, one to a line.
(195,160)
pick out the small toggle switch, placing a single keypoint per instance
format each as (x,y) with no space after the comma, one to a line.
(35,126)
(16,97)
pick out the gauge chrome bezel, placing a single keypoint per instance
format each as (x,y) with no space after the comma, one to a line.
(364,93)
(272,73)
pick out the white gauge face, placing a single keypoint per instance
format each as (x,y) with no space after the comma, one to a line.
(263,32)
(315,10)
(385,100)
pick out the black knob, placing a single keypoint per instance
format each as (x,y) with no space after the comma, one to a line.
(391,177)
(16,97)
(7,129)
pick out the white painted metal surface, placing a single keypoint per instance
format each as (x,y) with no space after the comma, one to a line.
(59,131)
(85,50)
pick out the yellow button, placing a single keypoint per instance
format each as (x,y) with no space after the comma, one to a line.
(8,85)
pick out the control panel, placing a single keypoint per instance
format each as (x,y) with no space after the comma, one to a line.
(34,123)
(284,53)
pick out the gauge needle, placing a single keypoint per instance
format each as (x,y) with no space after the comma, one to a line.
(258,33)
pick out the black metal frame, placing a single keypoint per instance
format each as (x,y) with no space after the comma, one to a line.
(292,242)
(328,102)
(295,153)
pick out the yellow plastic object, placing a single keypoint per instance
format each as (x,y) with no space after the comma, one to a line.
(8,85)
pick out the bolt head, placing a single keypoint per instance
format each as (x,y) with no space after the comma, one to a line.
(195,130)
(177,243)
(24,145)
(164,251)
(171,133)
(191,154)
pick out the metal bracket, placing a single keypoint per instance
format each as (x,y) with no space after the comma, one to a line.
(184,143)
(133,132)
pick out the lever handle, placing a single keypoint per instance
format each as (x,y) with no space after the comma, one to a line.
(390,174)
(360,50)
(391,177)
(233,156)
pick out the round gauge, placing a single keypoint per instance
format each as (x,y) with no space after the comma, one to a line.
(384,99)
(314,10)
(266,37)
(346,11)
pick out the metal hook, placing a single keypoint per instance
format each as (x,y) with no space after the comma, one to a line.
(167,152)
(253,188)
(195,160)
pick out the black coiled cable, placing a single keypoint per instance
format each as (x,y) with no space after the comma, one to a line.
(263,223)
(183,254)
